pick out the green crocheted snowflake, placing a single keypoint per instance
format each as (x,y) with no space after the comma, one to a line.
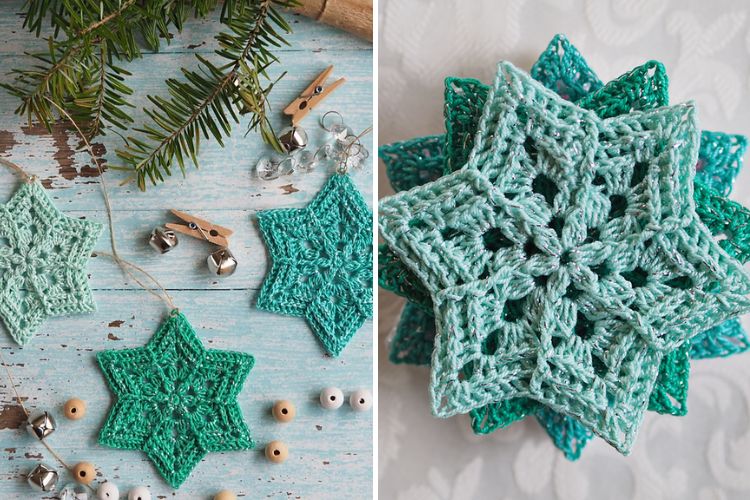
(321,262)
(43,257)
(566,249)
(175,400)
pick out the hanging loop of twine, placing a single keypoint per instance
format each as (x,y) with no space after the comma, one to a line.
(124,265)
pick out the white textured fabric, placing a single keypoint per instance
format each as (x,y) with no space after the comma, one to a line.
(705,47)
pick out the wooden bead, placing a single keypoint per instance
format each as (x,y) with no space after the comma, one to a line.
(331,398)
(84,472)
(276,452)
(139,493)
(361,400)
(75,408)
(225,495)
(284,411)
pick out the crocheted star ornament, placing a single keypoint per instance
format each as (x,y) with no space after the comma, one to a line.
(562,261)
(43,257)
(720,159)
(175,400)
(645,87)
(414,337)
(321,262)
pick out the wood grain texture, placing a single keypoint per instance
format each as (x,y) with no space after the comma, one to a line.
(330,452)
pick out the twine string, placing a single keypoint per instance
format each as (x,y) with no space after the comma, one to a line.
(122,263)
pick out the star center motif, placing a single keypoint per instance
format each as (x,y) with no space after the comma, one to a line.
(175,400)
(566,259)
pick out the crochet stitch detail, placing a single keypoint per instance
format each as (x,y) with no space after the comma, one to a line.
(321,266)
(412,163)
(562,69)
(720,160)
(43,257)
(175,400)
(511,237)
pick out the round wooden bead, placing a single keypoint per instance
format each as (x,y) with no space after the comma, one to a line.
(225,495)
(284,411)
(360,400)
(74,408)
(84,472)
(108,491)
(139,493)
(276,452)
(331,398)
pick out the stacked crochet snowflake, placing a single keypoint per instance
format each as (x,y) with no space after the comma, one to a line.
(564,260)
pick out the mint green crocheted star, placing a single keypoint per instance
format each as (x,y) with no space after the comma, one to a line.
(175,400)
(643,87)
(43,257)
(321,262)
(556,251)
(720,156)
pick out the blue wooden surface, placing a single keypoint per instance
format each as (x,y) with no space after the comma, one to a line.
(330,452)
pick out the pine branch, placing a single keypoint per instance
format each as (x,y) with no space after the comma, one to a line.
(92,27)
(54,75)
(211,99)
(102,97)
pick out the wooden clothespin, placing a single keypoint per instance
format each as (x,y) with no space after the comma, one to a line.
(201,229)
(311,96)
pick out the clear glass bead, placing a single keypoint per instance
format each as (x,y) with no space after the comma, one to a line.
(339,132)
(288,165)
(267,169)
(73,491)
(306,161)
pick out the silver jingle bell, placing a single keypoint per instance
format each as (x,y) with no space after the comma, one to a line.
(163,239)
(41,425)
(222,262)
(293,138)
(73,491)
(43,478)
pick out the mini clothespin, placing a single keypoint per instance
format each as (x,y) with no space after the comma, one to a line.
(201,229)
(311,96)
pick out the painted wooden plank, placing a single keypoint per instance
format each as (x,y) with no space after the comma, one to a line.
(331,453)
(54,159)
(198,36)
(331,462)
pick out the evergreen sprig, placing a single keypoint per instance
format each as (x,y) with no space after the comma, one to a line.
(210,99)
(81,72)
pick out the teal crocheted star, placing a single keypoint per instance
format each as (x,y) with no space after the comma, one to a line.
(43,257)
(562,261)
(321,262)
(175,400)
(720,154)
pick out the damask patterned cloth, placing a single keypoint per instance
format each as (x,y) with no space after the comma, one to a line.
(697,47)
